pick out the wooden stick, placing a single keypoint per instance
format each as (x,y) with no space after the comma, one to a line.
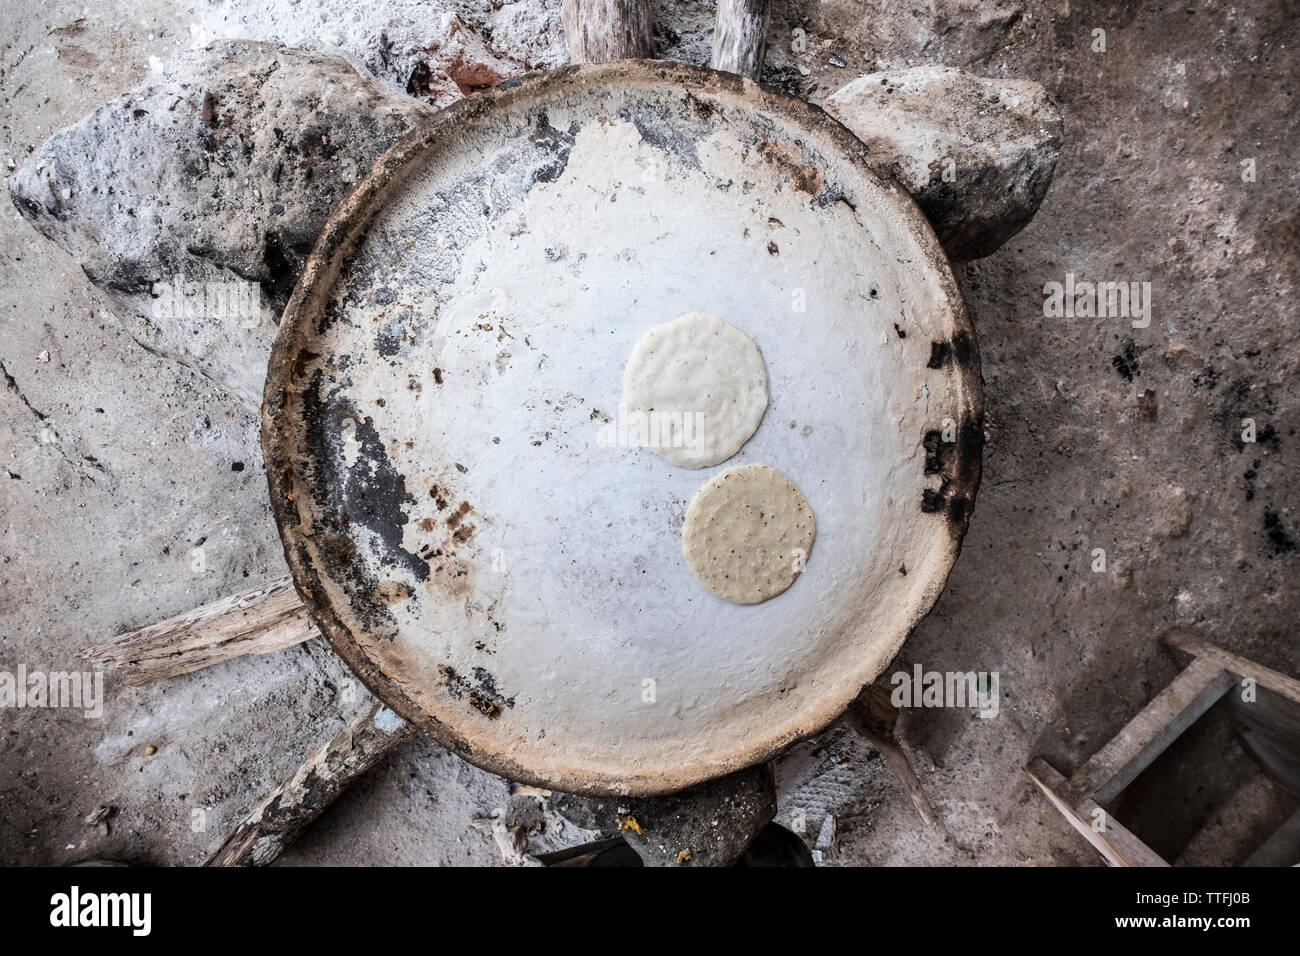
(1112,840)
(290,809)
(740,37)
(599,31)
(874,717)
(259,621)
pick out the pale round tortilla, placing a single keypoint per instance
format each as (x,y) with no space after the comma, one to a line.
(748,533)
(694,390)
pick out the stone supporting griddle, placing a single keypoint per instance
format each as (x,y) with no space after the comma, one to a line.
(976,154)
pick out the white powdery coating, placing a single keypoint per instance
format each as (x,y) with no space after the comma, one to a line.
(694,390)
(748,533)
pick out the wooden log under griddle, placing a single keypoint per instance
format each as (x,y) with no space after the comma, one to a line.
(740,37)
(264,619)
(279,819)
(599,31)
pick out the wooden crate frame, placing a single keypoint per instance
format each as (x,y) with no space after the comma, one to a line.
(1270,730)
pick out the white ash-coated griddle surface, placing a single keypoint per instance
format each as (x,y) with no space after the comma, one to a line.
(450,369)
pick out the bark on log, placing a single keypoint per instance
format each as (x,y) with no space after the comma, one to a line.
(290,809)
(740,37)
(259,621)
(599,31)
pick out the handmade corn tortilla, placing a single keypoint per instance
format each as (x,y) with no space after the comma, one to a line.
(748,533)
(694,390)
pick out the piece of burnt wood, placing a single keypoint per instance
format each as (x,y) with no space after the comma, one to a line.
(599,31)
(874,716)
(290,809)
(740,37)
(259,621)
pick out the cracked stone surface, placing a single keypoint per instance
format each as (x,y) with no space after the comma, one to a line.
(1101,435)
(214,180)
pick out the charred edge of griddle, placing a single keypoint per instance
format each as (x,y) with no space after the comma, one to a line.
(960,349)
(958,465)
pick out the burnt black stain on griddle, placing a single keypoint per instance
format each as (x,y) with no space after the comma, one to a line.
(369,493)
(958,465)
(938,453)
(479,688)
(958,462)
(555,145)
(375,497)
(668,131)
(960,349)
(398,327)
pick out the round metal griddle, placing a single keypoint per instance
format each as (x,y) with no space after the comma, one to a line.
(442,438)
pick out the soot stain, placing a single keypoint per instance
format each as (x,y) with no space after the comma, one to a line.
(554,143)
(370,494)
(1126,362)
(390,336)
(960,348)
(1279,541)
(957,463)
(375,497)
(480,689)
(658,129)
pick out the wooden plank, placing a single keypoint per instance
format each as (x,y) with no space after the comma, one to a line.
(599,31)
(267,618)
(291,807)
(1146,736)
(740,37)
(1188,645)
(1116,843)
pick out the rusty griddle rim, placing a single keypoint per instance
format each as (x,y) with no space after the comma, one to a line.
(958,468)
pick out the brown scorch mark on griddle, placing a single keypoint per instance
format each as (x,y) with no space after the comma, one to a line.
(459,514)
(806,177)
